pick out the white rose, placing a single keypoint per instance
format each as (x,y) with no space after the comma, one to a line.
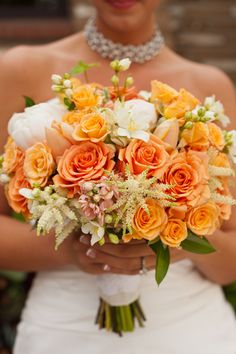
(28,128)
(135,118)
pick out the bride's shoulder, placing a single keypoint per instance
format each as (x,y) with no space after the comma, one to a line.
(207,80)
(22,60)
(21,67)
(30,61)
(213,81)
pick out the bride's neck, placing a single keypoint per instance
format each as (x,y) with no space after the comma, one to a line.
(137,36)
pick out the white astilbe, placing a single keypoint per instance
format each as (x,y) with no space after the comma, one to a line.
(217,175)
(134,191)
(53,210)
(223,199)
(220,171)
(215,183)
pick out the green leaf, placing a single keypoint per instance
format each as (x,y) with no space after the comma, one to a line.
(82,67)
(69,104)
(18,217)
(153,241)
(197,244)
(162,260)
(230,293)
(29,102)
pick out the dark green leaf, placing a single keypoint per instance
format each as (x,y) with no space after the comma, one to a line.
(29,102)
(153,241)
(69,104)
(230,293)
(197,244)
(82,67)
(18,217)
(162,260)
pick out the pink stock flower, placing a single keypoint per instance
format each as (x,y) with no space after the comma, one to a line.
(96,199)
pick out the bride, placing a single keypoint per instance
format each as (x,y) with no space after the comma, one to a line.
(188,312)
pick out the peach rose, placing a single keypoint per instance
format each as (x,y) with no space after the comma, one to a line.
(162,92)
(86,161)
(92,127)
(168,131)
(204,219)
(13,157)
(174,233)
(140,155)
(39,164)
(148,226)
(16,201)
(72,118)
(85,97)
(221,160)
(216,136)
(185,102)
(197,137)
(188,173)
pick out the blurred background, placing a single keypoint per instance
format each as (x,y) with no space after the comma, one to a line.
(201,30)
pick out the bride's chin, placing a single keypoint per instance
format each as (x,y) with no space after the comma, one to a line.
(128,17)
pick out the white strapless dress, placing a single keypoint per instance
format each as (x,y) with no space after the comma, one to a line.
(187,314)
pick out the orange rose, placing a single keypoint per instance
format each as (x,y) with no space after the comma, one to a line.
(197,137)
(127,93)
(16,201)
(185,102)
(92,127)
(174,233)
(178,212)
(39,164)
(204,219)
(188,173)
(86,161)
(13,157)
(140,155)
(85,97)
(148,226)
(216,136)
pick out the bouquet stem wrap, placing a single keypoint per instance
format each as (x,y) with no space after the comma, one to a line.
(119,304)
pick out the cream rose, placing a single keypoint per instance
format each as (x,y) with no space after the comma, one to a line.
(28,128)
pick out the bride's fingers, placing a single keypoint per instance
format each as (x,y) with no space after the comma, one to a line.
(121,250)
(119,263)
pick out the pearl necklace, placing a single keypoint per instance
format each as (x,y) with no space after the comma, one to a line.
(110,50)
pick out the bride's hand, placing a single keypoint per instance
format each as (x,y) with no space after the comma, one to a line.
(118,259)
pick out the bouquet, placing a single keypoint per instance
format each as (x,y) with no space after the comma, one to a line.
(120,164)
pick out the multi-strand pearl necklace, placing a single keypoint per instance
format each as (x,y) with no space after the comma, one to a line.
(111,50)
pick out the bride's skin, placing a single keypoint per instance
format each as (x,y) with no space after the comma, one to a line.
(26,70)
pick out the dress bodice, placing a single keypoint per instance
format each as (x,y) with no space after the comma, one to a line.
(186,314)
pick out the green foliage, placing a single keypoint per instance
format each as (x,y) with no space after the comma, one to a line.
(69,104)
(197,244)
(18,217)
(162,260)
(81,67)
(230,293)
(29,102)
